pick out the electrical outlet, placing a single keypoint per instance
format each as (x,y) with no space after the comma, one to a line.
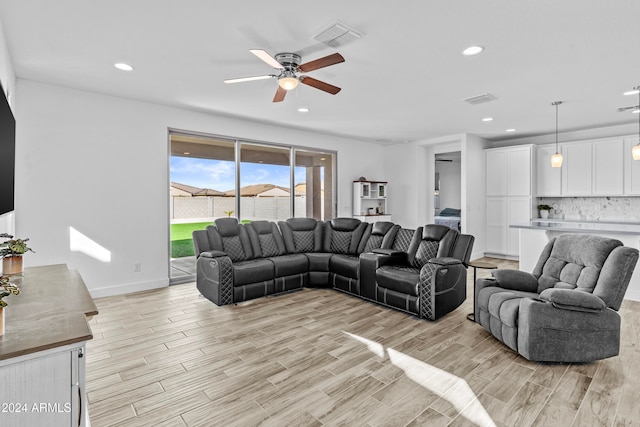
(137,267)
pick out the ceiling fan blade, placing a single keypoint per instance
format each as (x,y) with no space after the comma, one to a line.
(249,79)
(310,81)
(280,94)
(333,59)
(268,59)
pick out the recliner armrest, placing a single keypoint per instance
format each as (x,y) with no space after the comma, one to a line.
(445,261)
(515,280)
(213,254)
(390,256)
(569,299)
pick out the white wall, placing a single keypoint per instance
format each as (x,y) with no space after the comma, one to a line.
(405,183)
(411,174)
(8,79)
(474,215)
(99,164)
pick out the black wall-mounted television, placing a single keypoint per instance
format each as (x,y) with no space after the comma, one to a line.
(7,155)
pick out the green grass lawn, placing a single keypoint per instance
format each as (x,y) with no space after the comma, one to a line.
(181,241)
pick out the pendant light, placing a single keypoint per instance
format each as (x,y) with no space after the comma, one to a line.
(556,159)
(635,151)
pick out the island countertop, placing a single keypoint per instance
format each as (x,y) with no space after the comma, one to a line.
(578,226)
(50,311)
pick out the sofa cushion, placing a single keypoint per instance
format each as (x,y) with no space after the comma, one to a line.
(252,271)
(575,261)
(288,265)
(319,261)
(344,265)
(401,279)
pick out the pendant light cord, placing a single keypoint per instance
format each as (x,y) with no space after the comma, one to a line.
(556,103)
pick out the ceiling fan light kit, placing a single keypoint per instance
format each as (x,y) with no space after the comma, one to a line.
(289,64)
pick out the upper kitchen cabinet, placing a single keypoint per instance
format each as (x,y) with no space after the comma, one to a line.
(631,168)
(508,171)
(577,169)
(608,173)
(548,179)
(496,177)
(599,167)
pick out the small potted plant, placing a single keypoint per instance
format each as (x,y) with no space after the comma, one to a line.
(544,211)
(11,252)
(6,288)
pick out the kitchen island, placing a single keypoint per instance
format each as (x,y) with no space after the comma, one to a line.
(535,235)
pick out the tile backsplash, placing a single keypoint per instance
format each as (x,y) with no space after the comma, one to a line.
(625,209)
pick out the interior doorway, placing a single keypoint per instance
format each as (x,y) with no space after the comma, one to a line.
(448,189)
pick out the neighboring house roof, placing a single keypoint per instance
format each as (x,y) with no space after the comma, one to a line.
(260,190)
(301,189)
(188,190)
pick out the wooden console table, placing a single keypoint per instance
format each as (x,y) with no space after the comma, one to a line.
(42,351)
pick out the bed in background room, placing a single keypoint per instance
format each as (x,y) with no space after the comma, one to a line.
(449,217)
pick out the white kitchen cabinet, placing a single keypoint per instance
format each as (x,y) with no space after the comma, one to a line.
(508,171)
(502,240)
(496,225)
(608,173)
(548,179)
(496,177)
(577,169)
(519,171)
(508,188)
(631,168)
(518,212)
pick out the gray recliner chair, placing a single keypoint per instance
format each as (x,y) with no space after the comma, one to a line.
(566,309)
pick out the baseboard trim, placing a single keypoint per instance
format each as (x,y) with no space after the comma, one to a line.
(632,295)
(128,288)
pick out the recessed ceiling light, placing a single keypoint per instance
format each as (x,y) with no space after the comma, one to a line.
(303,110)
(323,158)
(186,152)
(487,119)
(632,92)
(510,130)
(472,50)
(636,111)
(122,66)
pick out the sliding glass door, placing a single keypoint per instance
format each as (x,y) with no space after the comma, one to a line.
(314,184)
(202,172)
(265,182)
(213,177)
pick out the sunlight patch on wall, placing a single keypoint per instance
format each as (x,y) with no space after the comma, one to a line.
(78,242)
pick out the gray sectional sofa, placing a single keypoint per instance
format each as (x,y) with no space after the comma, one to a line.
(422,271)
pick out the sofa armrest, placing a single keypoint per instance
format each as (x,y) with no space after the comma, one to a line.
(212,254)
(443,278)
(515,280)
(214,277)
(570,299)
(445,261)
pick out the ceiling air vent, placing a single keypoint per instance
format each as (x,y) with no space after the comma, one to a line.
(480,99)
(337,34)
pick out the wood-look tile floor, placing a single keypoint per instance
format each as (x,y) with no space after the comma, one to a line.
(318,357)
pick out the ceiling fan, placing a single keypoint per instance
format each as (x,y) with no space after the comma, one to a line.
(288,65)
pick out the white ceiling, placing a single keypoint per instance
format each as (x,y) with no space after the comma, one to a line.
(404,80)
